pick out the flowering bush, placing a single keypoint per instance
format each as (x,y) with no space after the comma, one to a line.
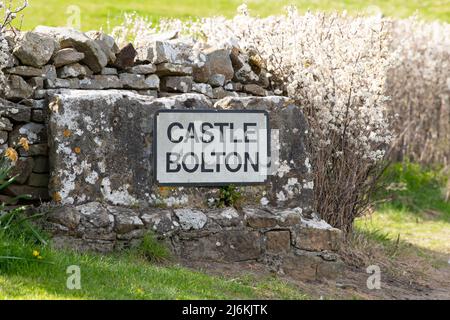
(419,89)
(335,67)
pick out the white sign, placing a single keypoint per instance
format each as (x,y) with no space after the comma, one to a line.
(211,147)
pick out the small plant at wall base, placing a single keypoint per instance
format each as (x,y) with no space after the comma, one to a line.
(228,196)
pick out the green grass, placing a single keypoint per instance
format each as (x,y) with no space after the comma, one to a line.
(415,212)
(95,14)
(125,275)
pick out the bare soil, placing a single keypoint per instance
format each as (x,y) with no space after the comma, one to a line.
(434,284)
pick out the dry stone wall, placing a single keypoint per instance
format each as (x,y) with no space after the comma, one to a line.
(86,107)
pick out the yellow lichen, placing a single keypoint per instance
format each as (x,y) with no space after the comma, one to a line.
(77,150)
(67,133)
(56,197)
(23,142)
(11,154)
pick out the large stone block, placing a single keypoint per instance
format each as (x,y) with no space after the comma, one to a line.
(94,57)
(317,235)
(233,245)
(93,158)
(34,49)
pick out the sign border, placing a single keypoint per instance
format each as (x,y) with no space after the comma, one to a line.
(208,184)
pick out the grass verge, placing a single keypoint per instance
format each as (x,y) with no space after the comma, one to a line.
(41,274)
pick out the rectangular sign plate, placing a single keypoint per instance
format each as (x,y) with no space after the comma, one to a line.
(211,147)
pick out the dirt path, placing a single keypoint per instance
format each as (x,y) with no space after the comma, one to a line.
(350,285)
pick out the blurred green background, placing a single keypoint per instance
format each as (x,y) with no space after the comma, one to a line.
(96,14)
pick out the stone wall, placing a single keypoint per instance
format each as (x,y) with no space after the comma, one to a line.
(86,107)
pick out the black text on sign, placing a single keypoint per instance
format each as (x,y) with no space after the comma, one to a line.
(211,147)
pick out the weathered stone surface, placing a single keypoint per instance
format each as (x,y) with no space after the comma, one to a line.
(38,115)
(109,71)
(36,83)
(3,137)
(176,84)
(125,57)
(106,43)
(243,71)
(38,180)
(35,150)
(94,57)
(25,71)
(234,86)
(35,193)
(139,81)
(17,88)
(203,88)
(58,83)
(126,219)
(220,93)
(149,92)
(310,266)
(133,234)
(133,81)
(226,217)
(5,124)
(191,219)
(217,62)
(34,132)
(68,242)
(317,235)
(100,124)
(217,80)
(143,69)
(278,241)
(74,70)
(40,164)
(14,111)
(157,52)
(49,72)
(39,104)
(22,169)
(97,216)
(67,56)
(34,49)
(67,216)
(11,60)
(259,218)
(255,89)
(100,82)
(170,69)
(234,245)
(159,220)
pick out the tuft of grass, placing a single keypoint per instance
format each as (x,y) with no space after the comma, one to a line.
(153,249)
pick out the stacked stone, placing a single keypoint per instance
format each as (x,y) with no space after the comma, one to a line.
(52,58)
(32,168)
(282,238)
(49,59)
